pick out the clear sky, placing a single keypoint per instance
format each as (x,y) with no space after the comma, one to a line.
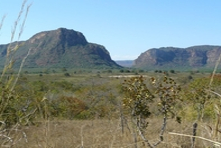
(125,27)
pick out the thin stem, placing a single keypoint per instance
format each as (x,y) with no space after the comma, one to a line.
(17,20)
(20,68)
(23,23)
(2,21)
(82,136)
(215,142)
(214,71)
(162,130)
(9,58)
(143,137)
(194,134)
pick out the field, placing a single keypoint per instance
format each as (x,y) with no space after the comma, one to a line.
(104,133)
(91,109)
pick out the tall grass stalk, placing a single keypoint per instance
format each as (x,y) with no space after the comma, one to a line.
(215,129)
(20,33)
(19,71)
(12,50)
(2,21)
(217,107)
(10,128)
(214,71)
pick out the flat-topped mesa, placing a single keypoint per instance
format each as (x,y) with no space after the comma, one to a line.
(204,56)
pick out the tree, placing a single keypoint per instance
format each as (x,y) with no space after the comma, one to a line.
(172,71)
(138,99)
(67,74)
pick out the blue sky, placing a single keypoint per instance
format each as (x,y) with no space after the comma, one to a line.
(125,27)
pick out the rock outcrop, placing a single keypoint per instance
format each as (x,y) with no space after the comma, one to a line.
(61,48)
(179,58)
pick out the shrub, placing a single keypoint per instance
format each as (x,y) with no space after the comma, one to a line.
(67,74)
(66,107)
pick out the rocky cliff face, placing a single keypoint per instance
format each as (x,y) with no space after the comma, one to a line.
(62,48)
(170,57)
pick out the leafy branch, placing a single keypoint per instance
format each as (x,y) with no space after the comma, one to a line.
(138,99)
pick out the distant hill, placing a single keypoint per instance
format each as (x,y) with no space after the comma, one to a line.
(196,57)
(61,48)
(125,63)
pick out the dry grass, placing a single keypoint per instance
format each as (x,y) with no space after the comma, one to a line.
(93,134)
(105,134)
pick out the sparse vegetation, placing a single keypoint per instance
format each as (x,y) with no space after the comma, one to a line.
(85,99)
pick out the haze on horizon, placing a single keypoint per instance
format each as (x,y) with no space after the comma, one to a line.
(125,28)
